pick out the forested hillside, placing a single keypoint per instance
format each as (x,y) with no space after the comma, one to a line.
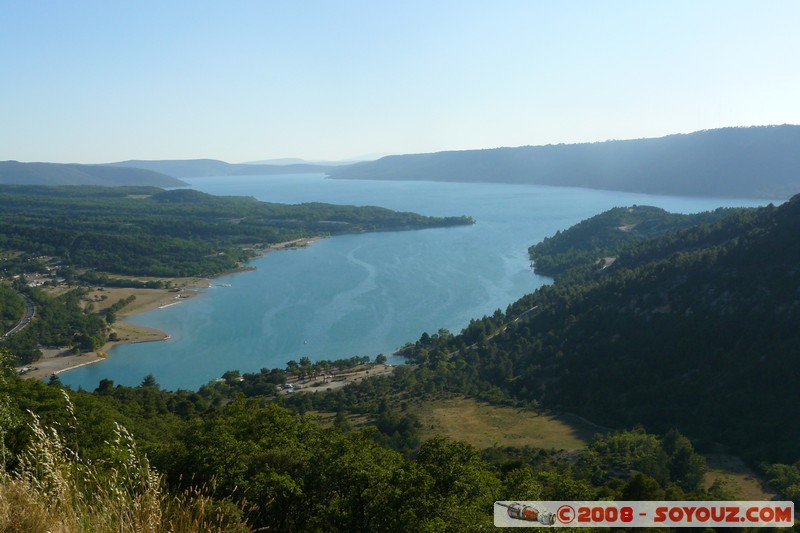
(694,329)
(13,172)
(594,243)
(149,231)
(756,162)
(12,307)
(60,321)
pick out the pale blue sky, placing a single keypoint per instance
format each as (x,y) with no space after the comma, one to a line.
(104,81)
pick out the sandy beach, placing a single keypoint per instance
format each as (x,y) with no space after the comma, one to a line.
(55,360)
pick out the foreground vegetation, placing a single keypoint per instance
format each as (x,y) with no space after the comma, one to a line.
(252,463)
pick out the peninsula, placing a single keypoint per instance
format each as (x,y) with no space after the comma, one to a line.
(85,254)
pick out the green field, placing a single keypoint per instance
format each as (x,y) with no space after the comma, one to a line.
(484,425)
(740,479)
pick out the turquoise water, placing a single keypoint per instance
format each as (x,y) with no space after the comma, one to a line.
(361,294)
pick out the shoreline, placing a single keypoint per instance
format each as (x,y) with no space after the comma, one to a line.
(56,360)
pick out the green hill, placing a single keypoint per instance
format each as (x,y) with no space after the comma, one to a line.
(694,329)
(756,162)
(14,172)
(595,243)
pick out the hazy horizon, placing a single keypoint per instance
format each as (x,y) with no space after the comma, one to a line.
(278,161)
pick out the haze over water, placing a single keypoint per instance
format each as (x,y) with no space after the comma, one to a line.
(361,294)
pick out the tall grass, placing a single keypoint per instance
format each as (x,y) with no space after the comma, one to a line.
(54,490)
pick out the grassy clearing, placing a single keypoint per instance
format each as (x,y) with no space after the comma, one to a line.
(484,425)
(146,299)
(742,481)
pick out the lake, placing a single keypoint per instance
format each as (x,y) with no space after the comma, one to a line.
(362,294)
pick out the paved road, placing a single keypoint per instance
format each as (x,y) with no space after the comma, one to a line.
(30,312)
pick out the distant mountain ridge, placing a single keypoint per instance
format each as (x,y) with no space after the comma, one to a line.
(16,173)
(299,161)
(195,168)
(754,162)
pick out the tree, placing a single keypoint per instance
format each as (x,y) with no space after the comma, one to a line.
(231,376)
(461,480)
(305,366)
(149,381)
(686,468)
(522,484)
(642,487)
(106,386)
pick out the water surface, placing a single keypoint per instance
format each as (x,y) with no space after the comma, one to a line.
(361,294)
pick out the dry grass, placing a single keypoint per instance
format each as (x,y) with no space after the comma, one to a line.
(146,299)
(484,425)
